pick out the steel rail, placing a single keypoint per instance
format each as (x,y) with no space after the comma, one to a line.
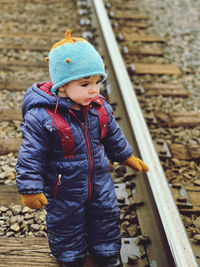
(173,226)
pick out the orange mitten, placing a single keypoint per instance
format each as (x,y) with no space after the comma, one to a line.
(136,164)
(34,201)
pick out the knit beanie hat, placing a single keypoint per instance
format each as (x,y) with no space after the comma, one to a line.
(72,59)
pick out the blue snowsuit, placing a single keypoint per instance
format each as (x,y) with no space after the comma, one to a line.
(66,159)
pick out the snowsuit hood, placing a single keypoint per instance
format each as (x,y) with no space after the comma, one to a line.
(39,95)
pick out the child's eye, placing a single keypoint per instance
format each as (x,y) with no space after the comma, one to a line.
(84,84)
(99,81)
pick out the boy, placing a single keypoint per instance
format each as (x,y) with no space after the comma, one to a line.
(68,132)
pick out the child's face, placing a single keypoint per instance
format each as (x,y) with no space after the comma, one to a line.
(82,91)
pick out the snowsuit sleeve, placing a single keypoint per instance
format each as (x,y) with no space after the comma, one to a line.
(32,156)
(115,143)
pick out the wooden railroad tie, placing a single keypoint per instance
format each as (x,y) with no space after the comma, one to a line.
(26,252)
(128,15)
(30,15)
(52,37)
(146,51)
(30,35)
(187,198)
(15,85)
(10,145)
(23,64)
(134,25)
(34,251)
(179,151)
(128,6)
(185,152)
(9,195)
(10,114)
(32,1)
(156,89)
(141,69)
(178,119)
(153,69)
(147,38)
(25,47)
(193,193)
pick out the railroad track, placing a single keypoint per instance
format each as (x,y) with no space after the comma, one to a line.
(152,232)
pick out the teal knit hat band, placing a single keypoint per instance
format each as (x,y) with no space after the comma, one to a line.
(73,59)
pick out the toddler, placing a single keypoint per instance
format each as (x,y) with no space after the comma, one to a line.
(69,133)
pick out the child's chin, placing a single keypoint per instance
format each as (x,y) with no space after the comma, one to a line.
(86,103)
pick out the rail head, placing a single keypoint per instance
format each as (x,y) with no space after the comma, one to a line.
(172,223)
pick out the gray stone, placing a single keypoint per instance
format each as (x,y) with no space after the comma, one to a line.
(15,227)
(16,209)
(40,234)
(1,222)
(9,234)
(35,227)
(197,238)
(196,222)
(28,216)
(132,230)
(3,209)
(27,210)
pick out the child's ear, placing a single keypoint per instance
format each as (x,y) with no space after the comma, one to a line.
(61,89)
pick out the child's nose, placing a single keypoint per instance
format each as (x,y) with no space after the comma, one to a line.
(93,89)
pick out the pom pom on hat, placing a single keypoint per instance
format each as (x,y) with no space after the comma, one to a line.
(73,58)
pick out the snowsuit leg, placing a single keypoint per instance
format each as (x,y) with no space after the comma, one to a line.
(66,229)
(103,220)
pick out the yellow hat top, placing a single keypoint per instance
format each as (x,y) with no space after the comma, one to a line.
(68,39)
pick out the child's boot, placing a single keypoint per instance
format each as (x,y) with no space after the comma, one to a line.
(113,261)
(77,263)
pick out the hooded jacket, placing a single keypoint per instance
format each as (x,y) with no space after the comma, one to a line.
(81,156)
(67,159)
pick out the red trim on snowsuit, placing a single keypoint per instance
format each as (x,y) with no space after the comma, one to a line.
(46,87)
(65,134)
(58,183)
(103,120)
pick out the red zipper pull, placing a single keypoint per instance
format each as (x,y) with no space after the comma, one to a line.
(58,183)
